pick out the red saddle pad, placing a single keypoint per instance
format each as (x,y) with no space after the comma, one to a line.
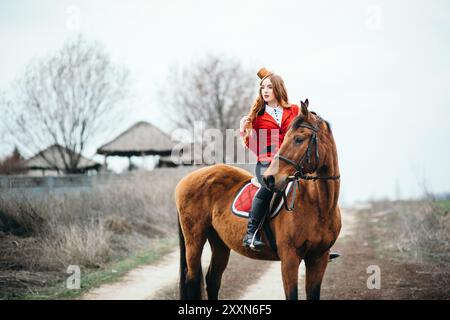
(242,203)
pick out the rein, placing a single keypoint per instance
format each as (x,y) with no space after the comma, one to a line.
(298,175)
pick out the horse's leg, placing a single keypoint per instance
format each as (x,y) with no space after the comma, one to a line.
(191,277)
(194,275)
(219,260)
(290,263)
(315,269)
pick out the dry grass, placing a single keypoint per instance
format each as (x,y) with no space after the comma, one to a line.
(415,235)
(47,232)
(423,229)
(426,231)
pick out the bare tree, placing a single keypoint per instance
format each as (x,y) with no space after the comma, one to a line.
(215,90)
(12,164)
(68,99)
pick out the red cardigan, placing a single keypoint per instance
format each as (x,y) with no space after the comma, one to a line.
(260,140)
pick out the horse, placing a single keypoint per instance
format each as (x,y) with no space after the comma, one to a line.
(307,156)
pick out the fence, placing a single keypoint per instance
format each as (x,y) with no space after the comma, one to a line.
(83,182)
(54,182)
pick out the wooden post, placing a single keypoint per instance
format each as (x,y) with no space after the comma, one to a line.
(106,162)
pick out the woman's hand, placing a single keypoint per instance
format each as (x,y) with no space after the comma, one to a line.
(244,124)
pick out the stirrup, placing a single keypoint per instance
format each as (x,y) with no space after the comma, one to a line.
(255,244)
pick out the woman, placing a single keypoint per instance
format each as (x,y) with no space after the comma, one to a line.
(263,131)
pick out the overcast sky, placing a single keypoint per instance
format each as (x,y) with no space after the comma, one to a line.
(379,71)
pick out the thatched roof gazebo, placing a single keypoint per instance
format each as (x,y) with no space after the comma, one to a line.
(141,139)
(50,159)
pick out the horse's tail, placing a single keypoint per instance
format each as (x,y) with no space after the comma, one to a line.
(193,289)
(183,263)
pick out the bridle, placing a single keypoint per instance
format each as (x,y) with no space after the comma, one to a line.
(299,175)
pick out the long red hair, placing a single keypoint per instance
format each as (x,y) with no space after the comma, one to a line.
(280,93)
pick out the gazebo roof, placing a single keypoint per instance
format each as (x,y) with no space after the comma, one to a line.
(140,139)
(53,155)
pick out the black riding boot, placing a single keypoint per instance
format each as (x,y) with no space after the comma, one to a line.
(252,238)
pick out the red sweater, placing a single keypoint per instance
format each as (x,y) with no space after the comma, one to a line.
(267,136)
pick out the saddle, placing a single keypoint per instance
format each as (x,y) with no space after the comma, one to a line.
(242,203)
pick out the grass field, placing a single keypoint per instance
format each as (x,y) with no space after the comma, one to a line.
(444,204)
(115,226)
(111,272)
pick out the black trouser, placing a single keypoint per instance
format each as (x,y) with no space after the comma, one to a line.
(261,201)
(263,193)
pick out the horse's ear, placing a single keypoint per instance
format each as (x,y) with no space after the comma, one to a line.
(305,108)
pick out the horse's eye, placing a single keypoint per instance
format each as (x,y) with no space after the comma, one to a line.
(298,140)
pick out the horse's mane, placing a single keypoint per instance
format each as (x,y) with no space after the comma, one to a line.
(295,124)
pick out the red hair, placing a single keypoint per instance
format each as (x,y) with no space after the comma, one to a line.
(280,93)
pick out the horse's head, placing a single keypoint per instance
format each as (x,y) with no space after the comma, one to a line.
(305,148)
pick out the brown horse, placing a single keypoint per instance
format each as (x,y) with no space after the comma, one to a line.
(204,198)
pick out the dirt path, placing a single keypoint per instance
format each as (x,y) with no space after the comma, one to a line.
(159,281)
(373,242)
(362,243)
(272,277)
(140,283)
